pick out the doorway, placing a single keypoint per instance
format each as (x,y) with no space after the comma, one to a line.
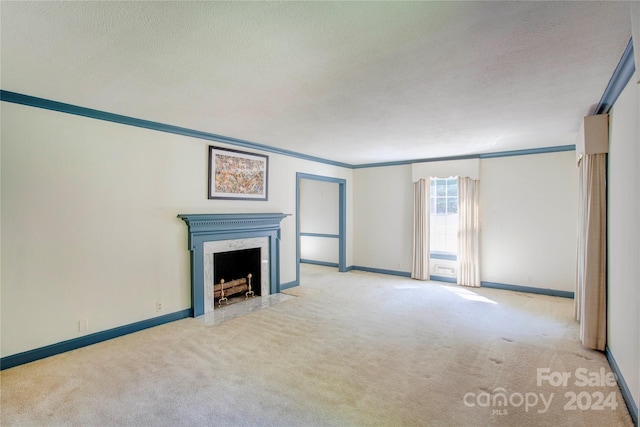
(320,221)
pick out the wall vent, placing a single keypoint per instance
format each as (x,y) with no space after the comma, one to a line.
(444,270)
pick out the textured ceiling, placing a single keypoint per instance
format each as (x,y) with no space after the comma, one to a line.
(354,82)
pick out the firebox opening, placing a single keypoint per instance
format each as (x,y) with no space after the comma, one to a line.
(233,267)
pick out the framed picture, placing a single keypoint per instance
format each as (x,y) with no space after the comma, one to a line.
(237,175)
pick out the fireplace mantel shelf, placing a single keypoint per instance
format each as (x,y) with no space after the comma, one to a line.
(225,223)
(274,218)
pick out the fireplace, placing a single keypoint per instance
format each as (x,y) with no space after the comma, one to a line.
(212,235)
(261,257)
(236,274)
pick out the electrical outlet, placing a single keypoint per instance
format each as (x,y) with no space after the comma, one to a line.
(158,306)
(83,325)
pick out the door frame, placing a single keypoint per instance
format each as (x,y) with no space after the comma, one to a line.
(342,218)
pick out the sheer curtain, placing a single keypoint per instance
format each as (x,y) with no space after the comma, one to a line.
(591,275)
(421,207)
(468,232)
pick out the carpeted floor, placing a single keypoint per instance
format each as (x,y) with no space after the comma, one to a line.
(351,349)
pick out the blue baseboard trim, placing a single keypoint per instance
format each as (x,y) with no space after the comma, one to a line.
(330,236)
(380,271)
(443,255)
(528,289)
(443,279)
(323,263)
(75,343)
(289,285)
(624,388)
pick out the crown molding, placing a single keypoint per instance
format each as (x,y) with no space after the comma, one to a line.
(32,101)
(621,76)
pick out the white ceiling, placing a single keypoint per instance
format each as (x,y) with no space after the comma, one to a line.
(354,82)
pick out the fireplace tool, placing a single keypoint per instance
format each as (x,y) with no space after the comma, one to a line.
(250,293)
(222,297)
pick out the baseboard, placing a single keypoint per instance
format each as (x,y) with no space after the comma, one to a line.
(443,279)
(624,389)
(75,343)
(517,288)
(288,285)
(528,289)
(323,263)
(380,271)
(443,255)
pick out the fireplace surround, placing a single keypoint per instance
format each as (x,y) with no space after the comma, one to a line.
(215,233)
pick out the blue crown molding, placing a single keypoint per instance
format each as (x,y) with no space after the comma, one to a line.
(32,101)
(75,343)
(622,384)
(410,162)
(526,152)
(621,76)
(543,150)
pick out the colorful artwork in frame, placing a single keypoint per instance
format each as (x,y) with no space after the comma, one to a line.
(237,175)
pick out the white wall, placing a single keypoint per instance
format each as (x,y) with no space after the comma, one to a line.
(319,213)
(89,222)
(623,305)
(322,249)
(383,206)
(444,169)
(528,211)
(528,237)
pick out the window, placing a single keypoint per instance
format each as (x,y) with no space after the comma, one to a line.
(444,215)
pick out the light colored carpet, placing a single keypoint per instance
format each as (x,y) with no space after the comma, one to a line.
(350,349)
